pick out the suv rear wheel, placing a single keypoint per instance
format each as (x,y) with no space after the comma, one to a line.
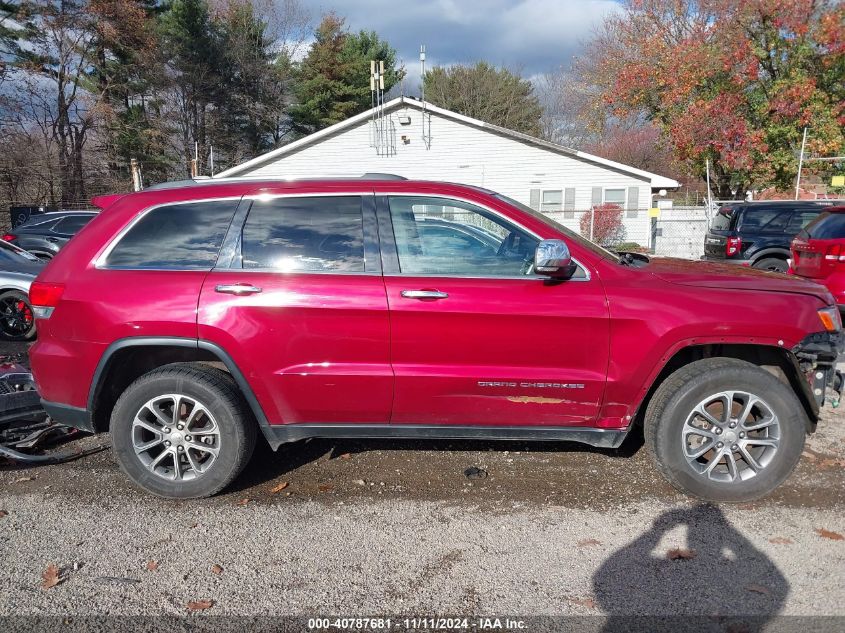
(182,431)
(773,264)
(725,430)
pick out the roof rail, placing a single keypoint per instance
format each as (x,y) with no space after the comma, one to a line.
(175,184)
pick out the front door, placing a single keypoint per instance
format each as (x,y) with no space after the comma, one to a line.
(301,308)
(476,338)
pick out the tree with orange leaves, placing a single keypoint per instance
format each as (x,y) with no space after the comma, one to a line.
(732,81)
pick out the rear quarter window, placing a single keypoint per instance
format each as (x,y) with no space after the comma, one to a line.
(177,236)
(722,220)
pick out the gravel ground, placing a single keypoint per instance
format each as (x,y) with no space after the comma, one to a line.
(369,528)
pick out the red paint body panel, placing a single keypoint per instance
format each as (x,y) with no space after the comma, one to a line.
(526,333)
(317,347)
(348,348)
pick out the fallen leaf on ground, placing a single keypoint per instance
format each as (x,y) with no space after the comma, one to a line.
(833,536)
(279,488)
(216,569)
(152,565)
(200,605)
(590,603)
(244,501)
(346,456)
(325,487)
(588,542)
(22,479)
(679,553)
(759,589)
(50,577)
(474,472)
(780,540)
(3,514)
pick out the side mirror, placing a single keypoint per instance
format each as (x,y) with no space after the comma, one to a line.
(552,259)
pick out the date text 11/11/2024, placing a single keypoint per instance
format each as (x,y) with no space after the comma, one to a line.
(417,623)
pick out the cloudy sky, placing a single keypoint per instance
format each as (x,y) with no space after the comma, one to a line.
(533,36)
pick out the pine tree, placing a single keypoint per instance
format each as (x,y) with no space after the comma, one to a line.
(333,81)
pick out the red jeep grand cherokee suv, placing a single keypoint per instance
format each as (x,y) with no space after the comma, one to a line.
(186,319)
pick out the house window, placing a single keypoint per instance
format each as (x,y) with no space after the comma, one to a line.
(552,200)
(615,196)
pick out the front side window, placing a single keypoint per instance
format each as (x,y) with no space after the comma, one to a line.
(177,236)
(305,234)
(440,236)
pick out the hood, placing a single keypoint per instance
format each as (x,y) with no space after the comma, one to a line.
(707,274)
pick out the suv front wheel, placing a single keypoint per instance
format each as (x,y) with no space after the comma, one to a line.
(182,431)
(725,430)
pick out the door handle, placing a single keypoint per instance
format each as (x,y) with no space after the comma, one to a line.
(237,289)
(424,294)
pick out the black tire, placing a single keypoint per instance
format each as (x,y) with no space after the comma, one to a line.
(21,325)
(218,394)
(774,264)
(675,400)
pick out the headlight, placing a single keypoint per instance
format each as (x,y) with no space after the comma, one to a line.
(831,319)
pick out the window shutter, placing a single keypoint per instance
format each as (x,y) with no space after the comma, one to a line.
(569,203)
(535,199)
(633,201)
(597,196)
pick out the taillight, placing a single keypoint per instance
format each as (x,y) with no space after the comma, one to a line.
(44,297)
(8,237)
(835,253)
(732,246)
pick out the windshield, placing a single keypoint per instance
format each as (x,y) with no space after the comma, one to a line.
(598,250)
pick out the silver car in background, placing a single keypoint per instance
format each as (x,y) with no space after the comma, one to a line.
(18,269)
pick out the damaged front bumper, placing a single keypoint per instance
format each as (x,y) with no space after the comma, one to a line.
(817,356)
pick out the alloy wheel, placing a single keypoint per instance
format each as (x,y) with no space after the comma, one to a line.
(730,436)
(15,316)
(175,437)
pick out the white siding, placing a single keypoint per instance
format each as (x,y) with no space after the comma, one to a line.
(463,153)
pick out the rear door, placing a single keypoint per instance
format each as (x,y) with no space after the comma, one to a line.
(300,307)
(476,338)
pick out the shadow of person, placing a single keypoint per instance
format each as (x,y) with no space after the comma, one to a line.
(727,585)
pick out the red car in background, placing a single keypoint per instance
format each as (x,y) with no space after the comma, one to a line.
(818,252)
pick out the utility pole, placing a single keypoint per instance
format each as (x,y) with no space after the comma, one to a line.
(800,164)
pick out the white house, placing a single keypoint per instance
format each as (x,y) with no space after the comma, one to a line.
(418,140)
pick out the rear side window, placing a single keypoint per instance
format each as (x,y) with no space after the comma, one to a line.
(305,234)
(178,236)
(799,220)
(71,224)
(757,219)
(828,226)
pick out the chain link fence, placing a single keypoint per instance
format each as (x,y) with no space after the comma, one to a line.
(680,231)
